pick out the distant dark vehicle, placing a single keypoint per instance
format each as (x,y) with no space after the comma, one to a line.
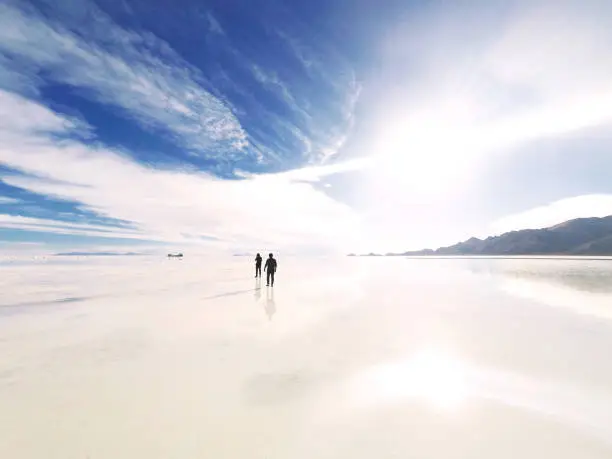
(175,255)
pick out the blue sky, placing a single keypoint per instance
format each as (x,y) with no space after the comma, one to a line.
(299,126)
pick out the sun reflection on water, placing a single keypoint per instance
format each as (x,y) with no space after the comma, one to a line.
(429,376)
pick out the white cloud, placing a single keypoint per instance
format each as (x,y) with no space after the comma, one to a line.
(168,205)
(460,89)
(7,200)
(137,73)
(542,73)
(595,205)
(316,173)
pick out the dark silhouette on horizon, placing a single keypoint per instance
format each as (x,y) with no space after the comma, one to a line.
(258,260)
(582,236)
(270,269)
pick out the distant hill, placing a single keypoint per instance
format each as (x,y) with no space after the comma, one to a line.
(583,236)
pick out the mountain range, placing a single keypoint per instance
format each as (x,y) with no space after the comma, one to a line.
(583,236)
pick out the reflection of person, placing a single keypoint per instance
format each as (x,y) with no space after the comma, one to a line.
(270,269)
(270,306)
(257,288)
(258,265)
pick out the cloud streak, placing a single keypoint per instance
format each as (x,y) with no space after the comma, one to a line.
(161,204)
(313,125)
(7,200)
(64,227)
(134,72)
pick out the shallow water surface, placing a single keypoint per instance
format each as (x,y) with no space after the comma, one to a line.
(348,357)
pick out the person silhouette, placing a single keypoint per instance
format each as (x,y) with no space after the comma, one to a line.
(258,260)
(270,269)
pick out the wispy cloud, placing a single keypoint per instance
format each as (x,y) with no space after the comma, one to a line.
(318,103)
(7,200)
(213,24)
(316,173)
(64,227)
(272,81)
(167,205)
(14,76)
(135,72)
(333,73)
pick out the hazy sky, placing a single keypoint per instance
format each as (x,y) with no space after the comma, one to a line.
(303,125)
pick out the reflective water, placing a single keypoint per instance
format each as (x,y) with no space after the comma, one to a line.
(350,357)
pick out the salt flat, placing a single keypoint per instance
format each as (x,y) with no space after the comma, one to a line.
(146,357)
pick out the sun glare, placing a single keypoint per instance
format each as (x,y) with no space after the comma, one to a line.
(429,376)
(428,159)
